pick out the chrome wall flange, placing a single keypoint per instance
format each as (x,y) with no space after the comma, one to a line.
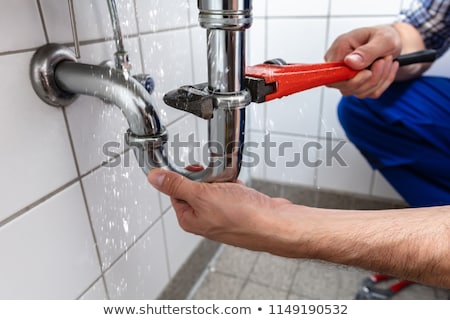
(42,74)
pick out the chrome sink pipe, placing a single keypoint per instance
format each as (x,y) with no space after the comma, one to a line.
(58,79)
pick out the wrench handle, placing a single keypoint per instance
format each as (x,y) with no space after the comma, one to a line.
(416,57)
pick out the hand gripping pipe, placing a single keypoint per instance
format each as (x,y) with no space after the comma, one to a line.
(58,79)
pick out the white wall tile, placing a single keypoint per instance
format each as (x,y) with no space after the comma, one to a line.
(142,272)
(167,57)
(20,26)
(289,159)
(36,154)
(256,116)
(304,47)
(253,159)
(357,7)
(96,292)
(199,49)
(122,205)
(193,12)
(297,8)
(329,122)
(340,25)
(354,175)
(92,17)
(154,15)
(256,45)
(296,114)
(49,252)
(259,8)
(180,244)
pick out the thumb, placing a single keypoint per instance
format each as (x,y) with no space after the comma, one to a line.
(364,56)
(171,183)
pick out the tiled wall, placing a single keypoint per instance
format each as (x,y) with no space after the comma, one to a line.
(71,228)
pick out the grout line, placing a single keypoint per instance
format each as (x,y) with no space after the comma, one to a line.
(132,244)
(36,203)
(86,205)
(166,249)
(90,287)
(205,273)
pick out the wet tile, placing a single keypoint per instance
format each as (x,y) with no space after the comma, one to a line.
(218,286)
(256,291)
(316,280)
(273,271)
(235,261)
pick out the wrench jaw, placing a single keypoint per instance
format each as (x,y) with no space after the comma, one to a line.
(194,99)
(371,290)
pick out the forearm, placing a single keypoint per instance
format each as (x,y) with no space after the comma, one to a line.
(411,41)
(412,244)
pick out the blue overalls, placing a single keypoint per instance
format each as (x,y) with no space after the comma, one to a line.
(405,134)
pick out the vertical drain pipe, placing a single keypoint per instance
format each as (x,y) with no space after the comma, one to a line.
(226,22)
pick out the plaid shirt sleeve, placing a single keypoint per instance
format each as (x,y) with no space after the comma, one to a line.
(432,19)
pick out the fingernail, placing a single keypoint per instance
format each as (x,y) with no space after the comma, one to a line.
(356,58)
(156,178)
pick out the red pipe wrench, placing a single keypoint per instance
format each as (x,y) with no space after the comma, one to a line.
(275,79)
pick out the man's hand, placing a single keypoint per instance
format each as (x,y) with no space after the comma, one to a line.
(376,47)
(227,212)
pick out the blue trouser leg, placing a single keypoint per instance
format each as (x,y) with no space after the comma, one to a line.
(405,134)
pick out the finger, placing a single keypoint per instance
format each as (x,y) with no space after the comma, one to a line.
(388,82)
(377,46)
(172,183)
(380,80)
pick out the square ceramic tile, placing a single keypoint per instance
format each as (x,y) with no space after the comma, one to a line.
(289,159)
(20,26)
(142,272)
(92,18)
(96,292)
(167,57)
(329,122)
(94,124)
(36,154)
(154,15)
(382,188)
(199,55)
(256,42)
(256,116)
(122,205)
(259,8)
(274,272)
(296,114)
(180,244)
(297,8)
(193,12)
(355,7)
(49,252)
(255,291)
(235,261)
(305,47)
(218,286)
(253,158)
(343,168)
(340,25)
